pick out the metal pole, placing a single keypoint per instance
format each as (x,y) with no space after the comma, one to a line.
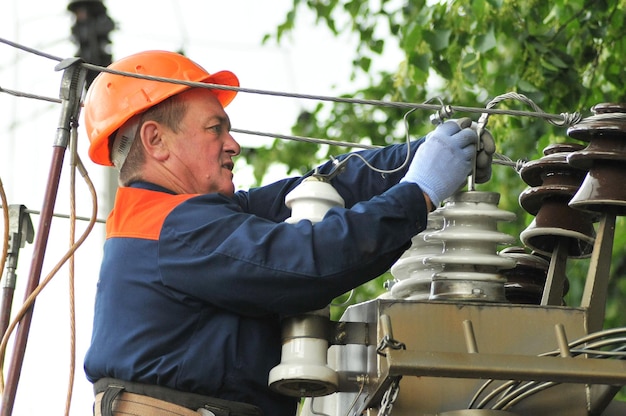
(597,283)
(72,86)
(555,280)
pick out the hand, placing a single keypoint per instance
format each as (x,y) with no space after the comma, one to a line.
(443,161)
(486,149)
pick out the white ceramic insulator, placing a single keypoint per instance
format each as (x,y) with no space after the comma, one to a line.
(303,366)
(303,370)
(413,276)
(470,239)
(311,200)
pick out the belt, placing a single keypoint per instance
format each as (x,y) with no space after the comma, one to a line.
(137,404)
(118,397)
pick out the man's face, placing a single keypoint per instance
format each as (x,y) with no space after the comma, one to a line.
(201,151)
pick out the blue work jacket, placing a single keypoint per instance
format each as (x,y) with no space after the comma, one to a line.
(192,287)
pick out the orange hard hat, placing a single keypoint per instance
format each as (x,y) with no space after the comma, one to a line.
(112,99)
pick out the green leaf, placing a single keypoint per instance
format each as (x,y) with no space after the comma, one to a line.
(420,61)
(478,8)
(412,36)
(438,39)
(496,3)
(526,86)
(545,63)
(557,62)
(485,41)
(377,46)
(353,8)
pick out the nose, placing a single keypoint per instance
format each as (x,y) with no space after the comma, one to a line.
(231,146)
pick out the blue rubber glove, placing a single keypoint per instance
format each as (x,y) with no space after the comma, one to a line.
(443,162)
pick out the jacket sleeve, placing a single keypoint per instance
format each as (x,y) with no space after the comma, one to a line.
(357,182)
(211,249)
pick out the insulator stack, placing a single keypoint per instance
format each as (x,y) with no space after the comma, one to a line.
(604,189)
(470,263)
(414,276)
(553,182)
(303,370)
(525,282)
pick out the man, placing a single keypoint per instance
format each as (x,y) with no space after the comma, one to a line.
(195,276)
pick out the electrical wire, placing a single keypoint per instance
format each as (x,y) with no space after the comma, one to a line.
(306,139)
(313,411)
(71,274)
(356,398)
(339,165)
(567,119)
(512,392)
(442,111)
(561,119)
(30,50)
(66,216)
(528,390)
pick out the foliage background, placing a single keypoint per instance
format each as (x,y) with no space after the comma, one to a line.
(564,55)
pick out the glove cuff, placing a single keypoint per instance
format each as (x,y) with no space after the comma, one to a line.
(434,198)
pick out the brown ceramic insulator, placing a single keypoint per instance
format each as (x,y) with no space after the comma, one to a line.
(604,187)
(526,281)
(553,182)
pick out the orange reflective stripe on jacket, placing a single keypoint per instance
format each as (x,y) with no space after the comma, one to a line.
(143,214)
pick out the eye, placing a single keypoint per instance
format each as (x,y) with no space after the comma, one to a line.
(217,128)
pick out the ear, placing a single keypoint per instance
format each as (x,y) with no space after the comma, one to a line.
(152,139)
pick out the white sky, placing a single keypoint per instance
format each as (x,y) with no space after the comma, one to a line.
(218,35)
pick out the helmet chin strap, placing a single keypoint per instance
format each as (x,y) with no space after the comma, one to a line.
(123,140)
